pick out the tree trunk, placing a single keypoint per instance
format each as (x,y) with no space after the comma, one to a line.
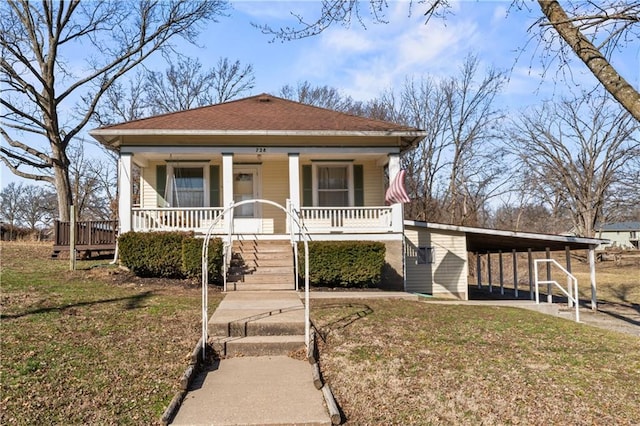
(613,82)
(62,183)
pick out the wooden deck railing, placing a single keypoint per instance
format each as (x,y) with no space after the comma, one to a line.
(89,235)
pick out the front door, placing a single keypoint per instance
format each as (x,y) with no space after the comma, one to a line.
(246,187)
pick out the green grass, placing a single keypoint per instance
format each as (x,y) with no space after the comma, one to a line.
(403,362)
(94,346)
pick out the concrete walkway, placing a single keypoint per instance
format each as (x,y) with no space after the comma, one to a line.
(256,390)
(272,390)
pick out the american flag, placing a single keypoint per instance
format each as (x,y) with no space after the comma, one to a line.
(396,192)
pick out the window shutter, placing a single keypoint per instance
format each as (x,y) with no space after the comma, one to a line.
(307,189)
(214,186)
(161,184)
(358,185)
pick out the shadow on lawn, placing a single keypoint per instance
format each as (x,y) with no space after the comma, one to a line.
(358,310)
(132,302)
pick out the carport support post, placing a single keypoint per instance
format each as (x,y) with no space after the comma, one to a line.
(489,272)
(501,272)
(592,270)
(479,269)
(549,295)
(515,272)
(567,254)
(529,255)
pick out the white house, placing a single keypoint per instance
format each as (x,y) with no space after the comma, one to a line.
(624,235)
(327,170)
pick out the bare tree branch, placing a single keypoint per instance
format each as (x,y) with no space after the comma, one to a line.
(37,38)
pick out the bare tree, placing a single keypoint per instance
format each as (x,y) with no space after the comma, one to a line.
(183,85)
(591,29)
(576,150)
(27,205)
(38,41)
(322,96)
(10,204)
(124,100)
(37,206)
(230,80)
(455,170)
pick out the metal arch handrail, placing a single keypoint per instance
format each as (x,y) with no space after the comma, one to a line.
(205,269)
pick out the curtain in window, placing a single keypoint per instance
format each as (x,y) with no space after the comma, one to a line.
(333,186)
(187,187)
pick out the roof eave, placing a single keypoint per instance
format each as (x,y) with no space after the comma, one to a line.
(516,234)
(109,136)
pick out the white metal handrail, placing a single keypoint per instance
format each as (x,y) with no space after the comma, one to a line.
(205,270)
(571,299)
(292,237)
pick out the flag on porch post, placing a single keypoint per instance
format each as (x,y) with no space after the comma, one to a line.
(396,192)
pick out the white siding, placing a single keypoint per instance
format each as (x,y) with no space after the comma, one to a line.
(275,187)
(148,193)
(373,183)
(447,275)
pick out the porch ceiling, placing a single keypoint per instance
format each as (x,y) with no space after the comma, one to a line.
(142,158)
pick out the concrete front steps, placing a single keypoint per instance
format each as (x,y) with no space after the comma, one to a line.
(261,265)
(258,323)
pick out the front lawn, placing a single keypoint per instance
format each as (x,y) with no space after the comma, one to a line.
(403,362)
(94,346)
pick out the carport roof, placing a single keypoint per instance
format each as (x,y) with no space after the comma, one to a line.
(483,240)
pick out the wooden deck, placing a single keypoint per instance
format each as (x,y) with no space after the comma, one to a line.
(92,237)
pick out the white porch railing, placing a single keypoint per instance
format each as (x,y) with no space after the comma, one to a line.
(362,220)
(347,219)
(174,218)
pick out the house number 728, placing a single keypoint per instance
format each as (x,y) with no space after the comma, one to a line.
(261,149)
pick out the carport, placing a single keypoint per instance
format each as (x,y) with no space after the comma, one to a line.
(494,245)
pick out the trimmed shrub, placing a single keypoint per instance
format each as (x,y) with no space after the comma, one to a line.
(344,263)
(168,255)
(192,258)
(152,254)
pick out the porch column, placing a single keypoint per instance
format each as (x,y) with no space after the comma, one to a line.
(227,188)
(397,213)
(294,187)
(125,190)
(592,270)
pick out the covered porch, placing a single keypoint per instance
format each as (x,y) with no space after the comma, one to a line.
(331,192)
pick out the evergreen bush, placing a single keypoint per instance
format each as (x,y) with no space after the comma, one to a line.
(168,255)
(344,263)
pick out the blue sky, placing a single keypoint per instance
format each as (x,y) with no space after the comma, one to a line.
(363,62)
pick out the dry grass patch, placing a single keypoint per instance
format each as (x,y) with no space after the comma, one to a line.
(403,362)
(94,346)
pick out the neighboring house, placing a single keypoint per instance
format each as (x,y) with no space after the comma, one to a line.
(625,235)
(327,169)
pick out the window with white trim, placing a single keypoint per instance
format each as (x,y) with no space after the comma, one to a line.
(187,185)
(333,185)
